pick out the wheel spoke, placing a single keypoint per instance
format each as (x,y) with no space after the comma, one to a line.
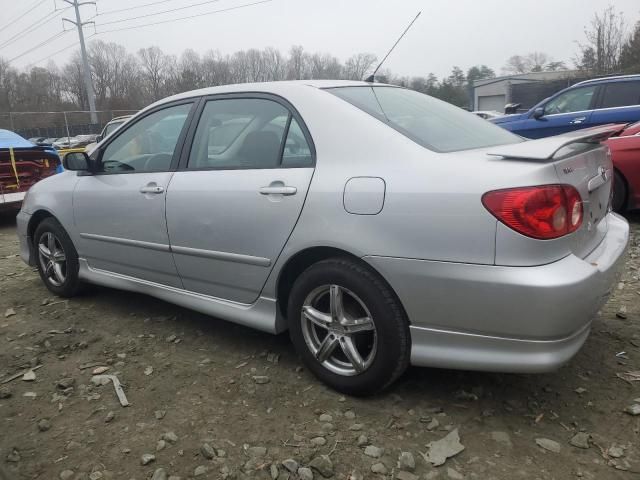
(316,316)
(364,324)
(350,350)
(326,348)
(59,256)
(48,271)
(57,273)
(44,251)
(51,243)
(337,309)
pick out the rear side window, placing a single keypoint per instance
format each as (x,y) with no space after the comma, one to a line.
(432,123)
(621,94)
(248,133)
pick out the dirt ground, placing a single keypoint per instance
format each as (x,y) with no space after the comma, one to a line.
(194,380)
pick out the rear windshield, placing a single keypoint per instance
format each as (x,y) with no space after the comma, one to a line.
(430,122)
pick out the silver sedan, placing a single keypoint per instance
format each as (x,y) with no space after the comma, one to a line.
(380,226)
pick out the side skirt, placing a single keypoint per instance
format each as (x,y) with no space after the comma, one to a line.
(261,315)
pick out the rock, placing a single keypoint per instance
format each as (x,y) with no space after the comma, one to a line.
(615,451)
(109,418)
(404,475)
(406,462)
(159,414)
(580,390)
(171,338)
(291,465)
(13,456)
(349,415)
(633,409)
(199,471)
(501,437)
(161,445)
(454,474)
(66,474)
(148,370)
(44,425)
(622,313)
(72,445)
(323,465)
(273,470)
(65,383)
(170,437)
(362,441)
(374,452)
(9,312)
(207,451)
(318,441)
(355,475)
(580,440)
(97,475)
(100,380)
(444,448)
(356,427)
(99,370)
(5,393)
(147,458)
(29,376)
(30,394)
(325,417)
(379,468)
(305,473)
(433,424)
(159,474)
(549,445)
(256,452)
(261,379)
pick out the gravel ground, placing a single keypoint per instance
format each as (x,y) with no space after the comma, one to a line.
(210,399)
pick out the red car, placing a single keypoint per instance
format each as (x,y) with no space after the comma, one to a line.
(625,150)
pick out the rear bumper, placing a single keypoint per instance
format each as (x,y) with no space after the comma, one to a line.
(511,319)
(11,200)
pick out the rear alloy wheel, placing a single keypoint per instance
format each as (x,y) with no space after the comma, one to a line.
(619,200)
(57,259)
(348,327)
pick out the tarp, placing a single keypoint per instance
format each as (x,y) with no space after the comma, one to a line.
(9,139)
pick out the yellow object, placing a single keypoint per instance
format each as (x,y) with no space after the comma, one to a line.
(15,170)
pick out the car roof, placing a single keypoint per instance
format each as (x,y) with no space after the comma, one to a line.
(611,79)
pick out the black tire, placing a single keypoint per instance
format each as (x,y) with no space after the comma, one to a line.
(393,349)
(71,284)
(619,200)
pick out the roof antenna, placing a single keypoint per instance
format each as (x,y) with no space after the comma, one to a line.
(371,78)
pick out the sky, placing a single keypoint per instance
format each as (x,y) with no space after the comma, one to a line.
(449,32)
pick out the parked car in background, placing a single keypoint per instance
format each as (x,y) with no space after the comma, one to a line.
(22,164)
(381,226)
(625,153)
(593,102)
(108,129)
(488,114)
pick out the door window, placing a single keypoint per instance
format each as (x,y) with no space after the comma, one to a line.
(245,133)
(577,100)
(621,94)
(149,144)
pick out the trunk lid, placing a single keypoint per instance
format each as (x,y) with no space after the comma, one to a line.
(581,161)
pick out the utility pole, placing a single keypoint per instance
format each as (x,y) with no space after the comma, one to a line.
(85,62)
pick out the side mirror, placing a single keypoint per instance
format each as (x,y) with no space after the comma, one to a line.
(98,138)
(538,113)
(76,161)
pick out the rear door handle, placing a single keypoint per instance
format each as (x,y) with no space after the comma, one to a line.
(151,188)
(278,190)
(578,121)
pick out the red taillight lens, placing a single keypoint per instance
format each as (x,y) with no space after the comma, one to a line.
(543,212)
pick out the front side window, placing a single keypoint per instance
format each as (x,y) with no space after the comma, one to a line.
(577,100)
(246,133)
(621,94)
(149,144)
(430,122)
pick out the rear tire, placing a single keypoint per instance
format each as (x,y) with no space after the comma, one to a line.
(619,200)
(56,258)
(348,327)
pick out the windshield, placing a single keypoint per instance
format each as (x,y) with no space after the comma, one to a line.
(430,122)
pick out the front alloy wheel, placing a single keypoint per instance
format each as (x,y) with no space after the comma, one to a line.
(53,260)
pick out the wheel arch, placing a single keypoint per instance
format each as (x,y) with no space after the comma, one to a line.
(300,261)
(36,218)
(628,192)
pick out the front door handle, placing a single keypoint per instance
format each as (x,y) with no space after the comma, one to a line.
(151,188)
(278,190)
(578,121)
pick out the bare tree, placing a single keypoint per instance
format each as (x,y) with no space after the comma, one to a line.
(531,62)
(604,39)
(357,66)
(298,64)
(155,67)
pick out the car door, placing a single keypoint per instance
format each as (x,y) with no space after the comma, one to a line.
(568,111)
(119,211)
(238,194)
(620,103)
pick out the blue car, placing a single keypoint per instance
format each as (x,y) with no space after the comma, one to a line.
(586,104)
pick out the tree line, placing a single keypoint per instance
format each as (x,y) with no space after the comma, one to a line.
(124,81)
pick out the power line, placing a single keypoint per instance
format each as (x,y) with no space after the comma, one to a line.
(160,13)
(37,24)
(109,12)
(59,34)
(31,64)
(184,18)
(11,22)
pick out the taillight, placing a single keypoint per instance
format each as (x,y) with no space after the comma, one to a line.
(543,212)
